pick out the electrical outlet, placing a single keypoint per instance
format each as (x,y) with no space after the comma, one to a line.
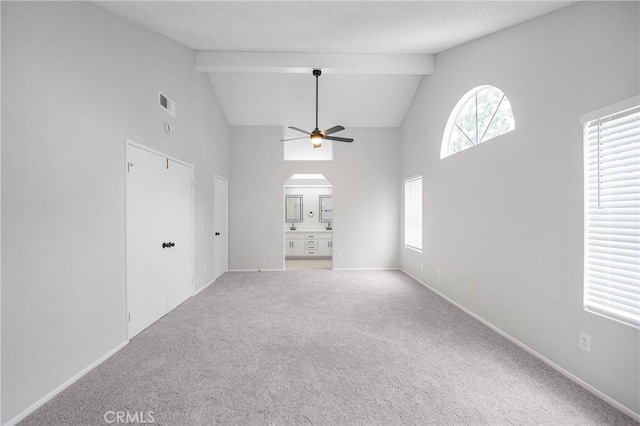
(338,255)
(270,255)
(439,273)
(584,341)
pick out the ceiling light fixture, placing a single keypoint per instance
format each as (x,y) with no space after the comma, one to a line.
(316,140)
(318,135)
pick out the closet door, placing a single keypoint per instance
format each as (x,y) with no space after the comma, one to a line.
(179,233)
(146,227)
(159,221)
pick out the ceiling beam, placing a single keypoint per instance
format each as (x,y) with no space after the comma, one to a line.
(302,63)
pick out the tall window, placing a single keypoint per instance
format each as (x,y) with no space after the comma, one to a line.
(413,213)
(482,114)
(612,211)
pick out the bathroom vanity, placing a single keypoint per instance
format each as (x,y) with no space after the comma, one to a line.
(306,243)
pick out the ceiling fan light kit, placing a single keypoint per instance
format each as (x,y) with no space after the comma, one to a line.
(317,135)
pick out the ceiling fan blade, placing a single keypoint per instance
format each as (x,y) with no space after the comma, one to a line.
(294,139)
(334,138)
(334,129)
(300,130)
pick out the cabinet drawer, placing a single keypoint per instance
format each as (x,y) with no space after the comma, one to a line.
(311,246)
(311,235)
(311,241)
(311,252)
(289,236)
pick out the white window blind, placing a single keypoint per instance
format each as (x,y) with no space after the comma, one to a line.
(612,214)
(413,212)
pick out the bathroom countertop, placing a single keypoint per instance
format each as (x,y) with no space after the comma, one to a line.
(309,230)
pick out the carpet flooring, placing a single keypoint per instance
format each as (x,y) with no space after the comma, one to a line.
(323,347)
(299,264)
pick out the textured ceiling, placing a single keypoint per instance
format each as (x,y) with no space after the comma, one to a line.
(289,99)
(395,27)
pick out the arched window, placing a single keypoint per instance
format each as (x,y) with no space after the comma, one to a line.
(482,114)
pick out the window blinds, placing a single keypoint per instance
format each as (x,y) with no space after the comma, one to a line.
(413,212)
(612,215)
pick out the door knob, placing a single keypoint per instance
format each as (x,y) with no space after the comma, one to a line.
(165,245)
(217,233)
(172,244)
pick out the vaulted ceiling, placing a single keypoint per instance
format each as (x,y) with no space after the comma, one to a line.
(259,54)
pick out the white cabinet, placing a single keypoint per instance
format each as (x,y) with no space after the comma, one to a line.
(325,244)
(308,244)
(294,244)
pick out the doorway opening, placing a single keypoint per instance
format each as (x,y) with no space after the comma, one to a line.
(308,231)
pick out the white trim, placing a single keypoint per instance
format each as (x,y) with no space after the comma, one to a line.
(368,269)
(255,270)
(606,398)
(609,316)
(334,269)
(205,286)
(0,220)
(155,151)
(611,109)
(193,210)
(65,385)
(453,116)
(412,177)
(411,206)
(602,129)
(303,62)
(193,230)
(226,268)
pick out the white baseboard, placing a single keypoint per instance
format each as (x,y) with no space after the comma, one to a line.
(65,385)
(205,286)
(367,269)
(335,269)
(606,398)
(256,270)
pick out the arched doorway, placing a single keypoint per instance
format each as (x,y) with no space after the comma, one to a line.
(308,231)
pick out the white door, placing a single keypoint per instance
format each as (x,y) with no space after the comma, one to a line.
(145,229)
(179,206)
(159,236)
(221,225)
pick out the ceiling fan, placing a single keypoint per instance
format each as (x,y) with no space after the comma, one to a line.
(317,135)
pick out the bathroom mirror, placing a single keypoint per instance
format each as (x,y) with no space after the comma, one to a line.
(292,208)
(326,208)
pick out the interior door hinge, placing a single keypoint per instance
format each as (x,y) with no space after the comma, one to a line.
(129,316)
(129,165)
(167,163)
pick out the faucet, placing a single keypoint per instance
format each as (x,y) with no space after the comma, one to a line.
(293,226)
(328,228)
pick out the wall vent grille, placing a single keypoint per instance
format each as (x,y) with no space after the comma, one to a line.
(167,104)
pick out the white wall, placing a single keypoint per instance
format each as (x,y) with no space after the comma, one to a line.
(365,178)
(504,220)
(0,213)
(310,203)
(77,81)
